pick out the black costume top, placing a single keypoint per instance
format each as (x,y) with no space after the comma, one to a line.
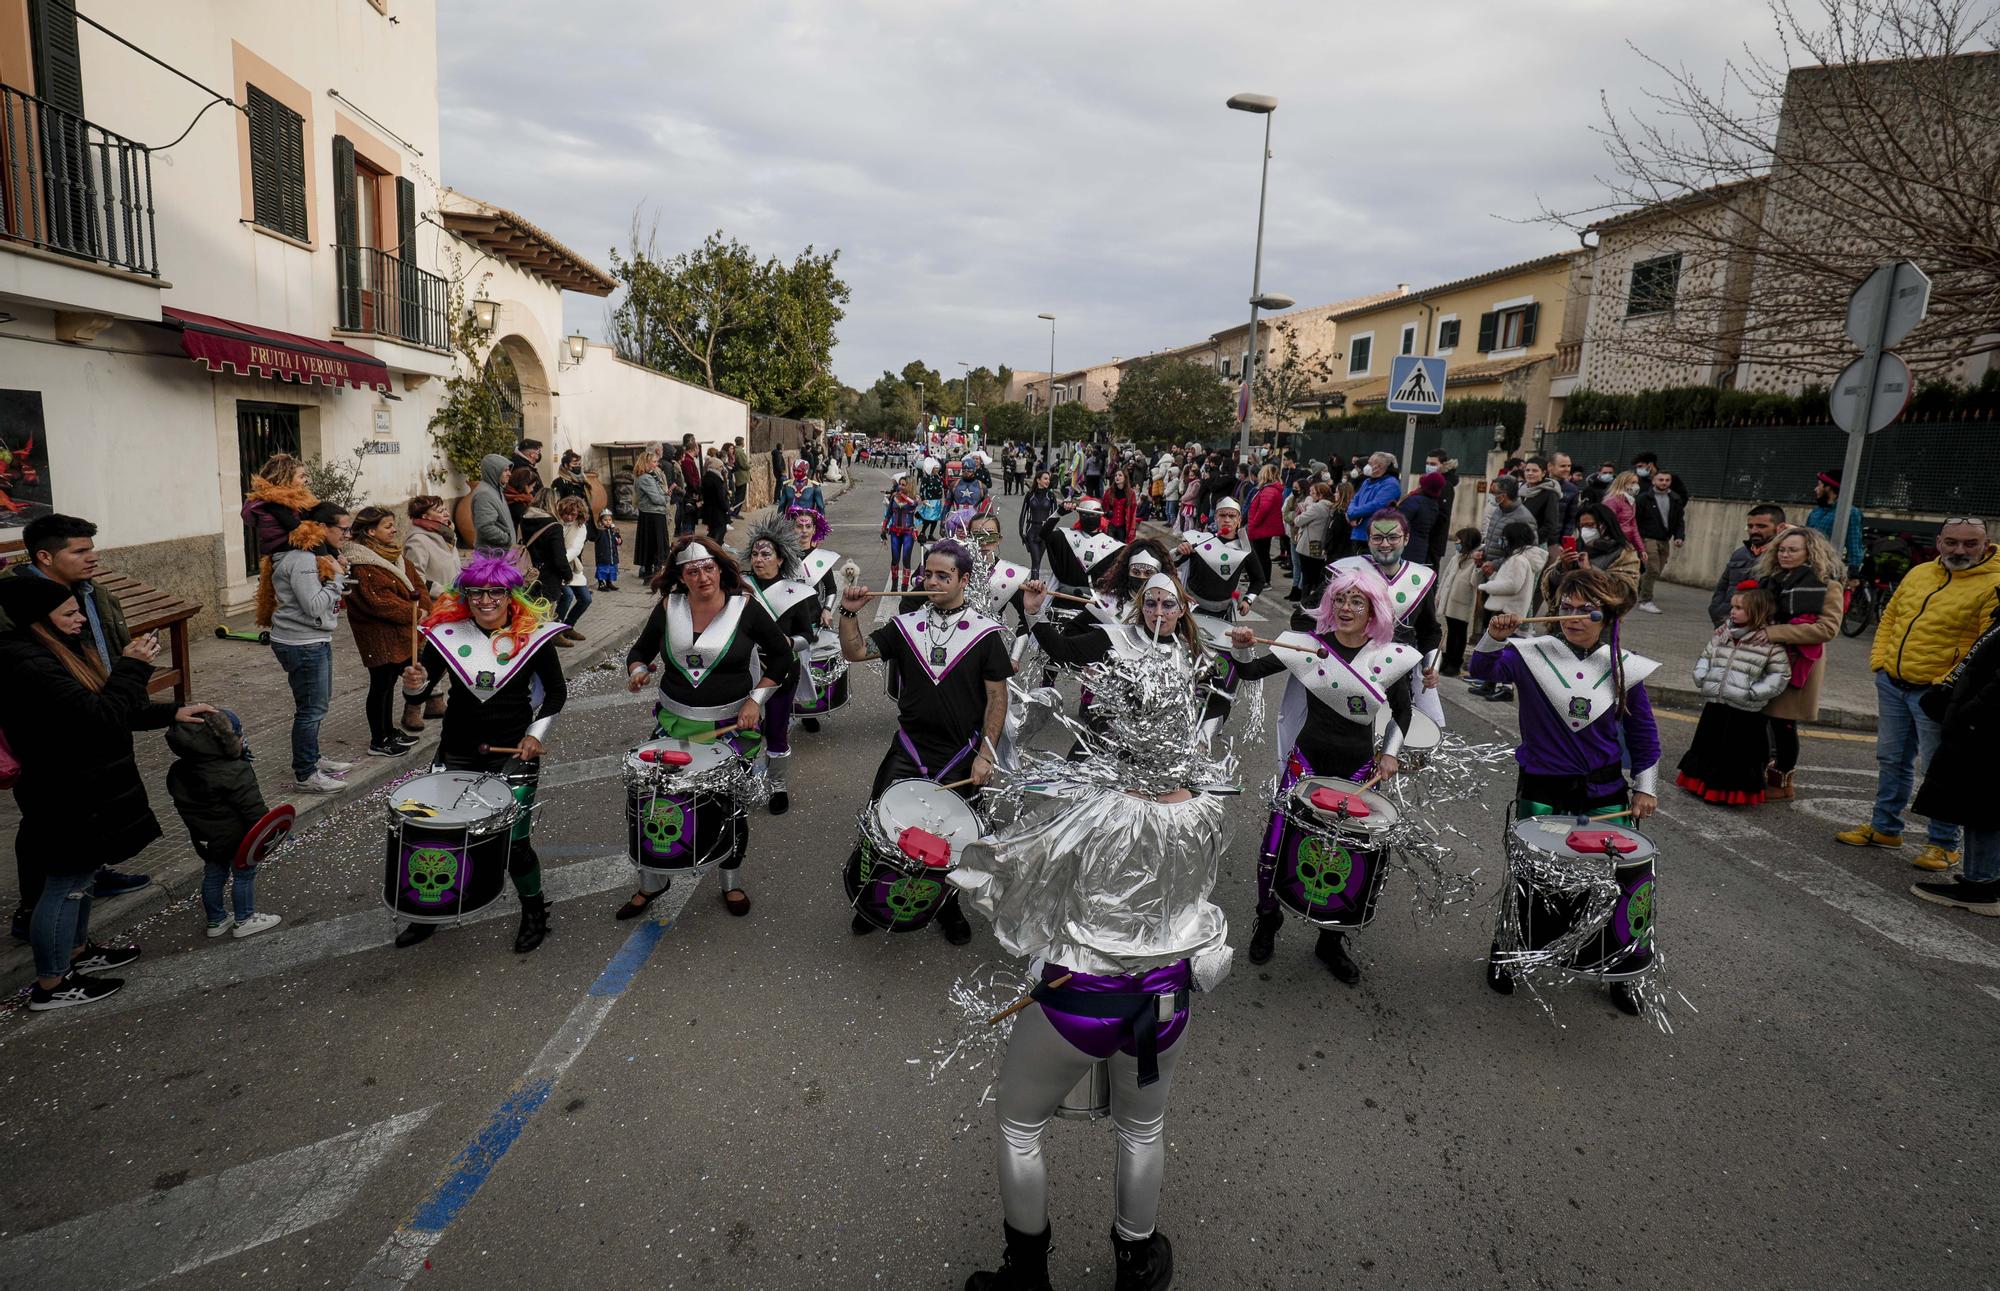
(938,665)
(1078,559)
(792,604)
(1337,734)
(1211,571)
(709,675)
(498,693)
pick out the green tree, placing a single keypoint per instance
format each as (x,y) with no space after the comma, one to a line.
(1169,401)
(759,330)
(473,419)
(1007,422)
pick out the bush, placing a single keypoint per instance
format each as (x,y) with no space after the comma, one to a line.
(1681,407)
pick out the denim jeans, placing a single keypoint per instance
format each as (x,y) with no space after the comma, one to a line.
(1982,856)
(214,875)
(309,669)
(1904,742)
(61,922)
(574,601)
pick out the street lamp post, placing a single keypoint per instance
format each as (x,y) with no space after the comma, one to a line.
(1264,105)
(968,404)
(1049,457)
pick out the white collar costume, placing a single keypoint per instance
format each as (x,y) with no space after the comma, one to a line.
(695,656)
(1579,690)
(1224,557)
(938,657)
(1090,548)
(1003,580)
(781,595)
(818,563)
(484,662)
(1354,689)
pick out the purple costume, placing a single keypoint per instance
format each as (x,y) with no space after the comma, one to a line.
(1569,732)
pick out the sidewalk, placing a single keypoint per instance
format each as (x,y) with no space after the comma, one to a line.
(1676,635)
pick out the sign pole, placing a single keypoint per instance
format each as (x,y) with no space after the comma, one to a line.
(1409,445)
(1875,323)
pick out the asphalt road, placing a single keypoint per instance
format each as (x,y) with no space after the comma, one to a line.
(703,1101)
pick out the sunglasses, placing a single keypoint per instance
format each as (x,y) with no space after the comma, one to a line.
(486,593)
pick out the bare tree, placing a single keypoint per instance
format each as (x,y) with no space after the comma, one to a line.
(1874,136)
(1291,378)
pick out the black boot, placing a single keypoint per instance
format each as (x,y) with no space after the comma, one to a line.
(1025,1266)
(1626,998)
(1498,978)
(1144,1265)
(781,802)
(1332,951)
(534,924)
(860,927)
(810,725)
(1264,940)
(952,923)
(412,933)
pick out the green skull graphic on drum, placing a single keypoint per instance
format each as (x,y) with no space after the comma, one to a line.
(665,823)
(432,871)
(1639,913)
(1324,869)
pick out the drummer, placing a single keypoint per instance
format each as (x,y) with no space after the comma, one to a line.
(771,561)
(488,635)
(1580,693)
(1112,894)
(1211,567)
(1326,722)
(1410,588)
(726,659)
(1081,553)
(818,565)
(948,667)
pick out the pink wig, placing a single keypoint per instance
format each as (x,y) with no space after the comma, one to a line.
(820,527)
(1381,614)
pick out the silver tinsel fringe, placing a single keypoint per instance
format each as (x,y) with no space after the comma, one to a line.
(1411,845)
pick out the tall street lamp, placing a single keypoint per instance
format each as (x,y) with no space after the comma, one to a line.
(968,404)
(1264,105)
(1050,456)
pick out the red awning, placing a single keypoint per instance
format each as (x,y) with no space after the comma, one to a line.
(224,345)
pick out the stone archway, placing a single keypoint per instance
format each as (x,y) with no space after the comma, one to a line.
(517,370)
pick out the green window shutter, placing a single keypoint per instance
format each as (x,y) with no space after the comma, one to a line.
(277,166)
(1528,322)
(1489,329)
(347,232)
(58,67)
(406,220)
(292,172)
(407,283)
(263,160)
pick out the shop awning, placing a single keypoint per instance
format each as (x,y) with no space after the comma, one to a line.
(224,345)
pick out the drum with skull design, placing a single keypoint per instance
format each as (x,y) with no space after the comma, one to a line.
(1623,947)
(910,838)
(680,805)
(449,836)
(1330,871)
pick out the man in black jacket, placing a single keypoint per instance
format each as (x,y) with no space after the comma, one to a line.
(1663,528)
(1761,526)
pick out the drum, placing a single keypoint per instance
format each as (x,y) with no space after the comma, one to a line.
(1330,871)
(829,677)
(1624,946)
(910,837)
(446,855)
(1090,1099)
(671,826)
(1419,741)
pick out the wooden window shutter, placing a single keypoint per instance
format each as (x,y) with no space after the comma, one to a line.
(406,220)
(277,166)
(1489,329)
(406,271)
(58,67)
(347,232)
(263,160)
(292,172)
(1529,318)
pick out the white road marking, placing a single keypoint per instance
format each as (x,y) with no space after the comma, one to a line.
(284,950)
(204,1220)
(1994,991)
(1845,812)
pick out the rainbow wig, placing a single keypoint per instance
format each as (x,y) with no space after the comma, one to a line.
(1381,614)
(820,527)
(488,568)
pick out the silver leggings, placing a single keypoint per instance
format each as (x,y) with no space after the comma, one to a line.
(1041,1067)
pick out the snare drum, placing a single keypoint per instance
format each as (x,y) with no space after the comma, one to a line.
(1624,946)
(1329,873)
(910,838)
(446,855)
(671,828)
(1090,1098)
(1419,741)
(828,675)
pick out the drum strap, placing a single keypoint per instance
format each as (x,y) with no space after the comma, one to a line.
(1138,1010)
(938,775)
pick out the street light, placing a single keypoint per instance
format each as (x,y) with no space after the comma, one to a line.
(484,313)
(1049,457)
(576,343)
(1263,105)
(968,404)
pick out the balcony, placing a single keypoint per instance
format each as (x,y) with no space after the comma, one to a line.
(74,189)
(381,295)
(1569,358)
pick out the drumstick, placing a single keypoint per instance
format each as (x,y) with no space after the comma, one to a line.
(1025,1001)
(1288,645)
(494,748)
(707,737)
(957,784)
(914,591)
(416,619)
(1616,815)
(1069,596)
(1595,616)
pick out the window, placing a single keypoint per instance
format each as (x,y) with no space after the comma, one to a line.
(277,166)
(1448,334)
(1512,328)
(1359,352)
(1225,367)
(1654,285)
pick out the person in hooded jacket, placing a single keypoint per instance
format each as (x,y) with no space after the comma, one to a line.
(1429,521)
(277,500)
(214,787)
(492,523)
(68,719)
(386,599)
(1543,499)
(1379,487)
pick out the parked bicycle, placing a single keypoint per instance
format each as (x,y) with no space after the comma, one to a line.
(1890,557)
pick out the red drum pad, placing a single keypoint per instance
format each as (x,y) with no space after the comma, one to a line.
(924,847)
(1605,841)
(672,757)
(1338,802)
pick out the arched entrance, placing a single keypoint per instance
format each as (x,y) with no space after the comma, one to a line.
(517,372)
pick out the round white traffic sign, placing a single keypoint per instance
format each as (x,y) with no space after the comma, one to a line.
(1892,391)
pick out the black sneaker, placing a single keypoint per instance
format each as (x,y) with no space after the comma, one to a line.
(72,989)
(1964,894)
(1263,939)
(96,958)
(390,748)
(811,725)
(18,926)
(116,883)
(951,921)
(1499,694)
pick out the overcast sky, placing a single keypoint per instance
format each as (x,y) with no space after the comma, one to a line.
(978,164)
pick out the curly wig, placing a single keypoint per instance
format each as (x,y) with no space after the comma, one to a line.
(820,527)
(779,531)
(1352,578)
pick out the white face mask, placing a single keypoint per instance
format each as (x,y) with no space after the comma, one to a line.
(1586,536)
(1632,492)
(1432,468)
(1370,470)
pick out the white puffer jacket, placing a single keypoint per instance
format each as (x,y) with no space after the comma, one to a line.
(1735,671)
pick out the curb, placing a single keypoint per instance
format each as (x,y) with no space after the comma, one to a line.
(1847,719)
(178,879)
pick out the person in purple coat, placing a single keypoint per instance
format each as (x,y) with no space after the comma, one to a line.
(1580,692)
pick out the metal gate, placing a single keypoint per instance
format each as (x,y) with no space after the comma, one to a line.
(261,430)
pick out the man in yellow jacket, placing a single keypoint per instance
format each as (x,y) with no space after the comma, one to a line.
(1935,616)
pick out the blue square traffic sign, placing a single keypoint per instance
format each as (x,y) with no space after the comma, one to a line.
(1416,384)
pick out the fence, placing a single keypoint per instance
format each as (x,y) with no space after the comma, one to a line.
(73,187)
(1922,468)
(1467,445)
(392,298)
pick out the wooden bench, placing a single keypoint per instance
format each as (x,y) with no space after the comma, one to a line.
(147,609)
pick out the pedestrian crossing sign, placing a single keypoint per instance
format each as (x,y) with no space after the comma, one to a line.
(1416,384)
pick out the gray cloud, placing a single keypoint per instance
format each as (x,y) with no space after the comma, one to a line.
(979,164)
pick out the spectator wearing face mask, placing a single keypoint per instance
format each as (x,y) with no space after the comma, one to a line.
(1446,469)
(1378,488)
(1622,499)
(1598,543)
(1458,598)
(1542,497)
(1597,486)
(1647,465)
(1510,589)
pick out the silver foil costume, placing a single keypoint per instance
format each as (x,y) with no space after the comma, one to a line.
(1109,892)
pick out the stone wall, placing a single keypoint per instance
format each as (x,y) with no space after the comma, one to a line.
(190,568)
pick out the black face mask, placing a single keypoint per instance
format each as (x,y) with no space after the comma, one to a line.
(1086,521)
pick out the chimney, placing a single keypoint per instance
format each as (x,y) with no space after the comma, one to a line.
(1402,289)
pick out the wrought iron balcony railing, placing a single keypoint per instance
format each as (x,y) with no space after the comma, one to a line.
(392,298)
(73,187)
